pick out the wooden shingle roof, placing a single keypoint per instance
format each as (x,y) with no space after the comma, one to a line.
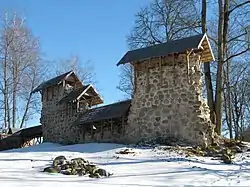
(175,46)
(52,81)
(87,91)
(114,110)
(73,95)
(31,132)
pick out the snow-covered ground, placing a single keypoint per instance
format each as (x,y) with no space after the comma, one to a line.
(147,167)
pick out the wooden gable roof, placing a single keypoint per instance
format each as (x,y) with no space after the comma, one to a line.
(56,80)
(176,46)
(87,92)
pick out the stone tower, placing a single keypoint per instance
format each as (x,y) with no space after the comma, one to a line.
(167,99)
(63,99)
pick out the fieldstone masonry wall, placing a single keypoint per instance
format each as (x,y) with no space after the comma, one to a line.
(58,123)
(169,104)
(57,119)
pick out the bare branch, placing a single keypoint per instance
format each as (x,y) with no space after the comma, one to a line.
(238,54)
(238,6)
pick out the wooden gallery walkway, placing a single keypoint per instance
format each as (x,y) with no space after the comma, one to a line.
(21,138)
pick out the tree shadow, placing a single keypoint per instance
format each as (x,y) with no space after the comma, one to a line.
(81,148)
(20,159)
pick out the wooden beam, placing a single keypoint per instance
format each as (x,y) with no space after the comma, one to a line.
(111,125)
(160,69)
(91,102)
(123,126)
(52,92)
(91,131)
(173,68)
(47,94)
(63,84)
(135,76)
(147,77)
(101,128)
(84,91)
(188,63)
(77,106)
(42,93)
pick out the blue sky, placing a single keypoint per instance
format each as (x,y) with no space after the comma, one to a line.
(93,30)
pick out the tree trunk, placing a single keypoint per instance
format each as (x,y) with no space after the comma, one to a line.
(6,85)
(14,95)
(25,112)
(228,100)
(29,98)
(5,93)
(207,71)
(219,78)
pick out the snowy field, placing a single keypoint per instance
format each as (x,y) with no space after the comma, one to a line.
(22,167)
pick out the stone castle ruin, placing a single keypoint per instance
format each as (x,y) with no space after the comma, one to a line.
(167,100)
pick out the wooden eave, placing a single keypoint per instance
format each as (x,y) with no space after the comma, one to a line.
(95,97)
(72,77)
(207,53)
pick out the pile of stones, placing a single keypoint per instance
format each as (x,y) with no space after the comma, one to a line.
(166,141)
(125,151)
(224,151)
(76,166)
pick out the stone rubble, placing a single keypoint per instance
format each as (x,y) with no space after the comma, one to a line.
(224,151)
(76,166)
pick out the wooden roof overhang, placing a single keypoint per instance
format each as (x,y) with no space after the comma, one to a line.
(68,76)
(87,93)
(91,96)
(107,112)
(198,43)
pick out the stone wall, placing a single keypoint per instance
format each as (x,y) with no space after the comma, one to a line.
(169,104)
(58,123)
(57,119)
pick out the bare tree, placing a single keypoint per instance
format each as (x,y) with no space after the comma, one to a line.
(207,70)
(85,70)
(164,20)
(226,10)
(126,83)
(20,60)
(236,94)
(160,21)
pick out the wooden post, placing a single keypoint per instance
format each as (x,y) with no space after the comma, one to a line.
(135,77)
(91,131)
(101,128)
(77,106)
(91,101)
(188,64)
(52,92)
(160,69)
(47,94)
(42,93)
(63,84)
(147,76)
(174,68)
(111,124)
(123,128)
